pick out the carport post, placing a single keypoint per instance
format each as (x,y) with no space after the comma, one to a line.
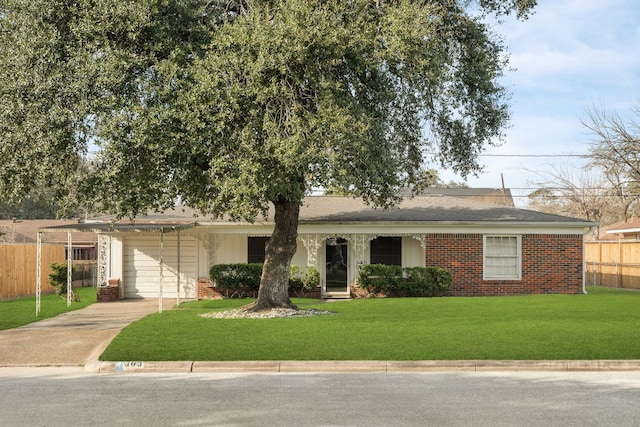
(161,270)
(178,278)
(38,272)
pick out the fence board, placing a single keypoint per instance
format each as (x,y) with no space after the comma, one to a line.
(18,269)
(613,264)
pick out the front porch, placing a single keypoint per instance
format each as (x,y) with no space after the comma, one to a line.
(336,256)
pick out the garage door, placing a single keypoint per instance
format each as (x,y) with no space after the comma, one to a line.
(141,276)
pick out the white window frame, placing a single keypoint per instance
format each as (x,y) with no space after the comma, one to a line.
(509,259)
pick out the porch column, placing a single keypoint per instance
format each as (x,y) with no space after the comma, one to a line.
(420,238)
(360,244)
(210,242)
(311,243)
(69,268)
(104,249)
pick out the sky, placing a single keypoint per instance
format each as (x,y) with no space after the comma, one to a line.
(568,57)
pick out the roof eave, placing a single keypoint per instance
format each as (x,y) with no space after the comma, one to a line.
(624,231)
(118,228)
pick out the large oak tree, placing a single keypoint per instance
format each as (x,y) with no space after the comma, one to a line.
(233,106)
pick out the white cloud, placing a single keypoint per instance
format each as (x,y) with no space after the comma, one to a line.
(569,56)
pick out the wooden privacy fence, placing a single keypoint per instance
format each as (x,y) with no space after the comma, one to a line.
(614,264)
(18,269)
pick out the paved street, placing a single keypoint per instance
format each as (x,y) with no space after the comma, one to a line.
(73,397)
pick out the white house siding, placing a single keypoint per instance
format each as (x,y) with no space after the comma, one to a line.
(300,258)
(141,266)
(229,249)
(412,253)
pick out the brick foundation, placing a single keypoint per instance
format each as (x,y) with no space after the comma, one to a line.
(111,292)
(207,290)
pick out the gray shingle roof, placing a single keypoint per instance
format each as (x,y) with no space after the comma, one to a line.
(432,208)
(338,209)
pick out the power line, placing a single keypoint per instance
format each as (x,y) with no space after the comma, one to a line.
(582,156)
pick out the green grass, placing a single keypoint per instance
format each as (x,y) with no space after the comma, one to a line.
(605,324)
(21,311)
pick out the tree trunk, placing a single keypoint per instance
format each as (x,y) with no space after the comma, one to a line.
(279,250)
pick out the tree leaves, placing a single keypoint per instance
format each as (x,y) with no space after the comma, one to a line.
(230,105)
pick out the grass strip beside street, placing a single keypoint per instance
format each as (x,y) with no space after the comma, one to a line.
(18,312)
(604,324)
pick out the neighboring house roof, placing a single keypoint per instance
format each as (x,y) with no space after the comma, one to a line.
(338,209)
(496,196)
(26,231)
(630,227)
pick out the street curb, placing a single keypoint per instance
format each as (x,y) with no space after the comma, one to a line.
(362,366)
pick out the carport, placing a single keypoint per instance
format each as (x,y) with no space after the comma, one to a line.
(103,230)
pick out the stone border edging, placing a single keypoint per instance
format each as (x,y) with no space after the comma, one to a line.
(364,366)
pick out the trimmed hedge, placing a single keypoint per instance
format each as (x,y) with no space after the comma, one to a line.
(235,277)
(391,280)
(395,281)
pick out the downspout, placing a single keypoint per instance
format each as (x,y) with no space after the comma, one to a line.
(584,268)
(584,264)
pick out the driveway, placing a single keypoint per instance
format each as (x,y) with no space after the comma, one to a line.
(73,338)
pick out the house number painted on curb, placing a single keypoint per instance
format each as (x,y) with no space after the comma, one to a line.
(124,366)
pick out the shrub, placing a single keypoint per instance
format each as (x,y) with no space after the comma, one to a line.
(302,281)
(379,278)
(58,279)
(234,277)
(311,279)
(425,281)
(394,281)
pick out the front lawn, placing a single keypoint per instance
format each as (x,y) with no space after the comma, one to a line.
(605,324)
(18,312)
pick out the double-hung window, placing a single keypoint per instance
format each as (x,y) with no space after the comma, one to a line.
(502,257)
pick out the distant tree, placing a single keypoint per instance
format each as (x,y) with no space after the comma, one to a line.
(233,106)
(581,195)
(616,151)
(431,179)
(38,204)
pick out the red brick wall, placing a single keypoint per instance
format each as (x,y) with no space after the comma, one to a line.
(108,293)
(551,264)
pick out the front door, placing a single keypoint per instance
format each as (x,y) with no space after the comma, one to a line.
(336,272)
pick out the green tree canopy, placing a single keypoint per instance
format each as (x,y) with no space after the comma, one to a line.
(232,106)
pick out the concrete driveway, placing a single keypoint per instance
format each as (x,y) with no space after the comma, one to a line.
(73,338)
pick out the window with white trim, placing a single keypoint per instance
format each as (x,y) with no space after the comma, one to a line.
(502,257)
